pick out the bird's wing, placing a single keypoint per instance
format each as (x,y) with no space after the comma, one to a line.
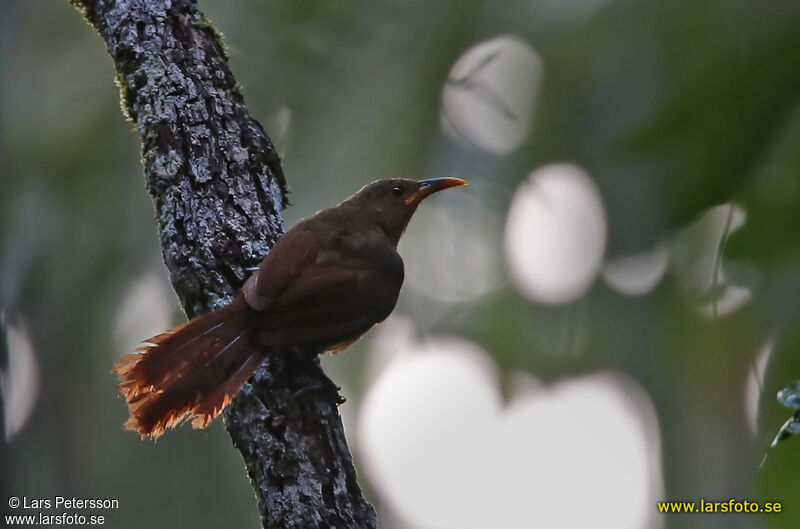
(308,293)
(290,254)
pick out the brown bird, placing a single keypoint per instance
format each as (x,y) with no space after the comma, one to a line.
(321,287)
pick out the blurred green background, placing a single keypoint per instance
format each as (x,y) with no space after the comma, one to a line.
(671,108)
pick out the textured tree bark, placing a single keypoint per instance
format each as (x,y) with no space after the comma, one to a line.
(219,190)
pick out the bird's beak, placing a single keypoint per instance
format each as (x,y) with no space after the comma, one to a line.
(428,187)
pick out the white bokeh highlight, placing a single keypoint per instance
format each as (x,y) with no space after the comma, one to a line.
(489,96)
(754,386)
(698,261)
(19,383)
(637,274)
(451,249)
(146,309)
(555,234)
(444,452)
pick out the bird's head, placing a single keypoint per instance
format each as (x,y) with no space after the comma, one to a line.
(392,202)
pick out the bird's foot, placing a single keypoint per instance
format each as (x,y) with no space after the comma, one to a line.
(325,387)
(317,381)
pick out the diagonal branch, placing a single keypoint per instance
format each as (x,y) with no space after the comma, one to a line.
(219,190)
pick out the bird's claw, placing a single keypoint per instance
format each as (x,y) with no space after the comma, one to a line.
(328,389)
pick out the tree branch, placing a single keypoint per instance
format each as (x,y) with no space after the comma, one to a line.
(219,190)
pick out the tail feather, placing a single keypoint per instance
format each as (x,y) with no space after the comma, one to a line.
(190,372)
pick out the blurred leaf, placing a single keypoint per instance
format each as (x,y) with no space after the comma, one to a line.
(790,427)
(790,396)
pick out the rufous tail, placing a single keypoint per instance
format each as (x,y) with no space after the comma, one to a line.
(190,372)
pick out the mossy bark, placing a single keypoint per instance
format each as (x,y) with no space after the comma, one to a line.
(219,190)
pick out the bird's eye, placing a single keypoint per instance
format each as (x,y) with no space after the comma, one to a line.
(397,191)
